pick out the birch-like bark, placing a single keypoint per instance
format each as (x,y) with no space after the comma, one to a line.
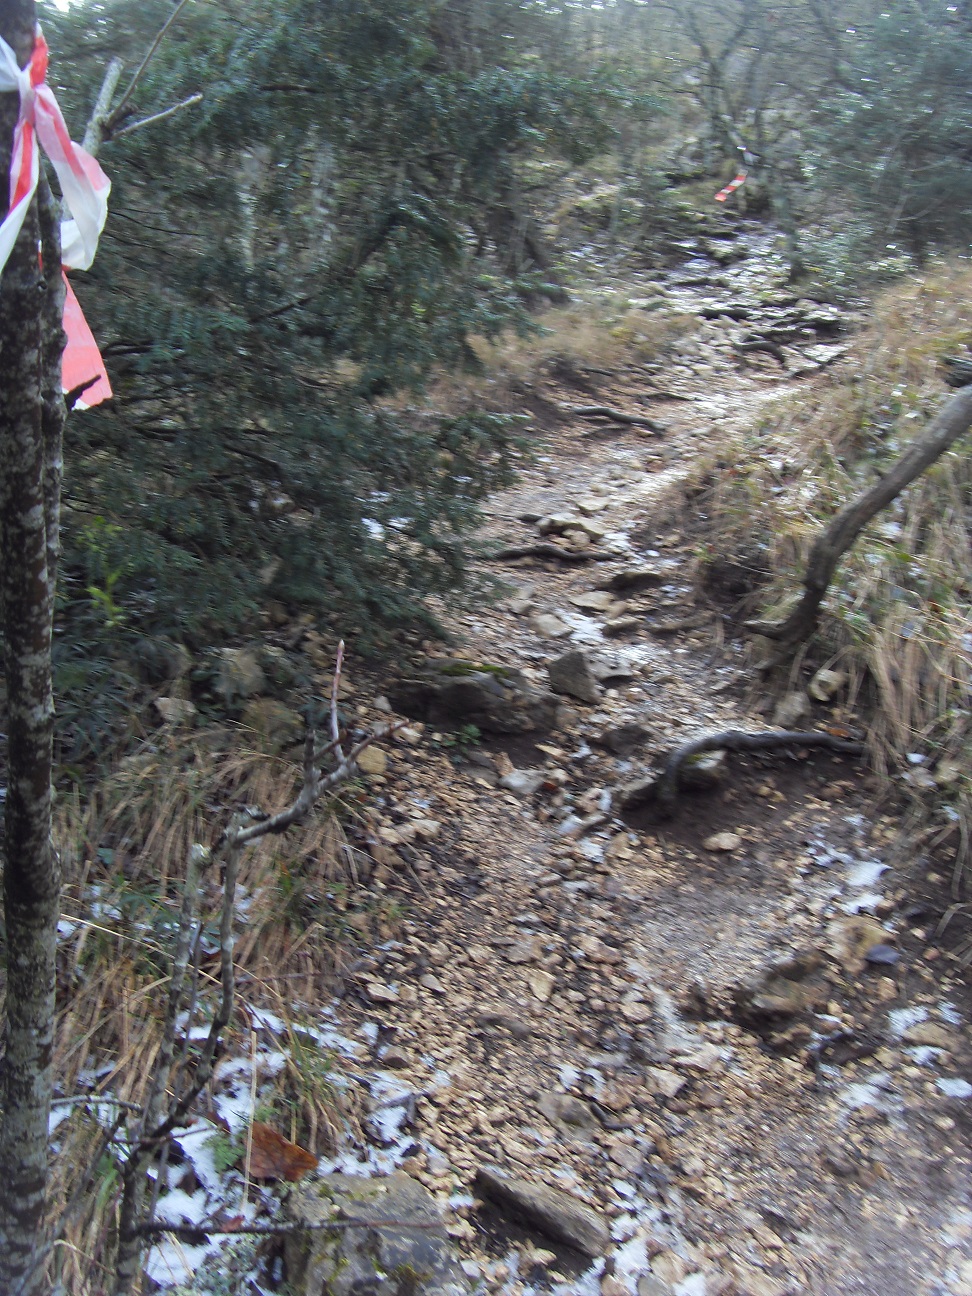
(31,342)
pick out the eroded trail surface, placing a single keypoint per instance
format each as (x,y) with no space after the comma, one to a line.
(726,1032)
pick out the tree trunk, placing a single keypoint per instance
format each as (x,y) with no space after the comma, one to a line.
(952,421)
(31,419)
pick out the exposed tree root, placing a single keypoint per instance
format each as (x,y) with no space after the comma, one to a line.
(664,790)
(616,416)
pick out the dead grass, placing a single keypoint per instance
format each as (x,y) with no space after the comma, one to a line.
(898,616)
(303,912)
(597,331)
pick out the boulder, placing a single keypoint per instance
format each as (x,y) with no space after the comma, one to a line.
(450,693)
(278,725)
(411,1257)
(572,674)
(554,1213)
(238,675)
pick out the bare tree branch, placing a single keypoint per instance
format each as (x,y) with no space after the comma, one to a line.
(159,116)
(113,117)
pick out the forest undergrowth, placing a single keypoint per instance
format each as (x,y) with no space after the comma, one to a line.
(897,619)
(897,623)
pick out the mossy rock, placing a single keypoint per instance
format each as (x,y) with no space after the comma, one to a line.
(409,1257)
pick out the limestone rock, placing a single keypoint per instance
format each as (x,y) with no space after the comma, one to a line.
(851,939)
(791,710)
(410,1259)
(572,674)
(159,659)
(620,625)
(636,578)
(725,842)
(826,684)
(238,675)
(549,625)
(522,782)
(276,723)
(372,761)
(451,693)
(556,1214)
(277,667)
(593,601)
(622,739)
(784,989)
(175,710)
(568,1114)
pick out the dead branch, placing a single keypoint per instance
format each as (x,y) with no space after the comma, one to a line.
(950,423)
(160,1116)
(112,119)
(192,100)
(335,686)
(94,132)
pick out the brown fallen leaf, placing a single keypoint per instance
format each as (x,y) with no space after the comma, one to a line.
(273,1157)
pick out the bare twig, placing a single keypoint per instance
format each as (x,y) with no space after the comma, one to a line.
(198,1232)
(159,116)
(335,686)
(114,116)
(156,1125)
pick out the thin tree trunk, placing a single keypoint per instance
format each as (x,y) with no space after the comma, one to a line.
(30,426)
(952,421)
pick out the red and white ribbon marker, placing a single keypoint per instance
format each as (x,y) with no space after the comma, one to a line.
(731,187)
(85,189)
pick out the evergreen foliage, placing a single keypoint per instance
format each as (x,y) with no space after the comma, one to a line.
(284,269)
(894,132)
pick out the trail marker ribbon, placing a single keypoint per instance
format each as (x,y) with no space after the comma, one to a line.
(85,189)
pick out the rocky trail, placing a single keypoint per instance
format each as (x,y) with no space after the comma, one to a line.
(726,1040)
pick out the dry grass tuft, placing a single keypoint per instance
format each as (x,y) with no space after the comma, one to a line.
(302,912)
(595,331)
(898,616)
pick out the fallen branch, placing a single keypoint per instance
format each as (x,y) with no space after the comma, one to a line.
(616,416)
(950,423)
(199,1232)
(664,790)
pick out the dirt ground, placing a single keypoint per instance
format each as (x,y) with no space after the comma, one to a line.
(747,1051)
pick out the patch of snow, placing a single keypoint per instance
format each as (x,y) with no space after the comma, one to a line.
(865,873)
(693,1285)
(569,1075)
(899,1019)
(268,1020)
(953,1087)
(924,1054)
